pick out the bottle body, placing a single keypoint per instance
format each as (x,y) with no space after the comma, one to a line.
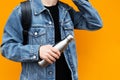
(61,46)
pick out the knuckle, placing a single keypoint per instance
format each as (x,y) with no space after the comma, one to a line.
(50,62)
(45,57)
(54,59)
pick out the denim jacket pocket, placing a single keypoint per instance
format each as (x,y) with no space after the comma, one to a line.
(68,27)
(37,35)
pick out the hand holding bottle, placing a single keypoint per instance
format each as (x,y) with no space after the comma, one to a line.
(52,53)
(49,53)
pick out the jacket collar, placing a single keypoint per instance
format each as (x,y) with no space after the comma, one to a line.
(38,7)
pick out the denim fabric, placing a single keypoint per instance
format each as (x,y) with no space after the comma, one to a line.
(42,33)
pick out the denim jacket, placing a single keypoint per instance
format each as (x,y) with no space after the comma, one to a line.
(42,33)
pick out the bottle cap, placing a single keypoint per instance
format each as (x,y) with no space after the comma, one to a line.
(70,37)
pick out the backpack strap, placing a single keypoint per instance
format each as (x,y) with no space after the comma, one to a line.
(26,18)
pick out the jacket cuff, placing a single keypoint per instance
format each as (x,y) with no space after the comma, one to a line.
(34,51)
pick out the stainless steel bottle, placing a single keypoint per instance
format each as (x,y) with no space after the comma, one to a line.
(61,46)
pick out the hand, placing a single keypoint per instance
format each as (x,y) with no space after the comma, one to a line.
(49,53)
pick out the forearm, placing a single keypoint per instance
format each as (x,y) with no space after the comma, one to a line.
(87,17)
(20,53)
(12,47)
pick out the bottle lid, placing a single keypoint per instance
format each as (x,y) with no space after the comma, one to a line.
(70,37)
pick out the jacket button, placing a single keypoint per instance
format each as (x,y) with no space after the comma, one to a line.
(36,33)
(50,72)
(32,50)
(50,22)
(35,13)
(34,57)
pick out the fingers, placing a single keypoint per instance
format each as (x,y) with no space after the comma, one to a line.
(49,53)
(53,54)
(54,50)
(50,59)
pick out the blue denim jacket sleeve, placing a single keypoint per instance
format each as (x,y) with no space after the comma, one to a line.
(12,47)
(87,18)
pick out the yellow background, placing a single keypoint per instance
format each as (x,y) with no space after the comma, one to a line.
(98,51)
